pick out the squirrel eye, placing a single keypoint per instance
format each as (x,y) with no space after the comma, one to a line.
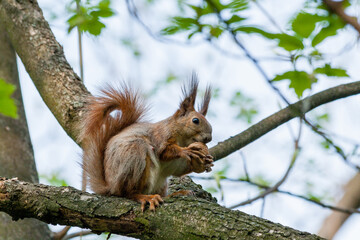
(196,120)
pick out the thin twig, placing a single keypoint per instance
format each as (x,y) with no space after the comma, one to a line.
(239,57)
(339,209)
(81,63)
(245,166)
(267,15)
(337,149)
(134,13)
(262,208)
(282,180)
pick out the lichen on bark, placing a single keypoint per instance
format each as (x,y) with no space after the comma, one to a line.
(178,218)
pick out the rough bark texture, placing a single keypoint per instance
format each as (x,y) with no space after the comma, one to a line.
(44,60)
(16,154)
(177,218)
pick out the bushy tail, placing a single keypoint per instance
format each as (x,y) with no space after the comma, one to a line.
(100,123)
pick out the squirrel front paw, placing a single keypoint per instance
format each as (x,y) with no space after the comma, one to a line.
(198,155)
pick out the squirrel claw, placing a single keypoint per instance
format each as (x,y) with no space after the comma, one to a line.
(154,201)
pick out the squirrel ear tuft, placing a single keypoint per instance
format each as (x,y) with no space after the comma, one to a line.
(189,91)
(205,102)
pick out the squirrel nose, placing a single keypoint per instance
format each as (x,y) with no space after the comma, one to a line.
(207,139)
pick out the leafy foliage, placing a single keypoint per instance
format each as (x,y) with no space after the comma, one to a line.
(285,41)
(331,72)
(304,23)
(247,108)
(87,17)
(7,104)
(307,29)
(299,80)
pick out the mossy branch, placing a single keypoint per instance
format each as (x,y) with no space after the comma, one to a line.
(177,218)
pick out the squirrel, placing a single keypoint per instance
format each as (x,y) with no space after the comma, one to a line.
(126,156)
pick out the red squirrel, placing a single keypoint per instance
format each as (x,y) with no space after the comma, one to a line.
(125,156)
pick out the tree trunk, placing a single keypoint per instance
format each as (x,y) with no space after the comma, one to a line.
(16,154)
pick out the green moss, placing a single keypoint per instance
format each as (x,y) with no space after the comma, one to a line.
(143,221)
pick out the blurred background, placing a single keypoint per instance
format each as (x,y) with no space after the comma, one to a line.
(140,41)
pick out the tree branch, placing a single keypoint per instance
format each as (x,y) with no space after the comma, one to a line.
(337,8)
(259,129)
(191,217)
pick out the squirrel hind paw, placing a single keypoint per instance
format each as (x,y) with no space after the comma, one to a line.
(153,200)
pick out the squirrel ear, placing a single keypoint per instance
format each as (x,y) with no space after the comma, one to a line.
(205,103)
(189,91)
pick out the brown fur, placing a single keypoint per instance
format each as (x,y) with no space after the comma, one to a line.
(126,157)
(97,127)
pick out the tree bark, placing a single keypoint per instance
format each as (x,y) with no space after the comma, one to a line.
(44,60)
(177,218)
(16,153)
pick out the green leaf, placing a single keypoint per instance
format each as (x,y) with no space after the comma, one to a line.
(323,118)
(104,4)
(201,11)
(334,24)
(181,24)
(331,72)
(75,20)
(218,5)
(88,17)
(289,42)
(170,78)
(184,23)
(286,41)
(94,27)
(216,31)
(238,5)
(171,30)
(7,104)
(314,198)
(304,23)
(299,81)
(235,21)
(102,13)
